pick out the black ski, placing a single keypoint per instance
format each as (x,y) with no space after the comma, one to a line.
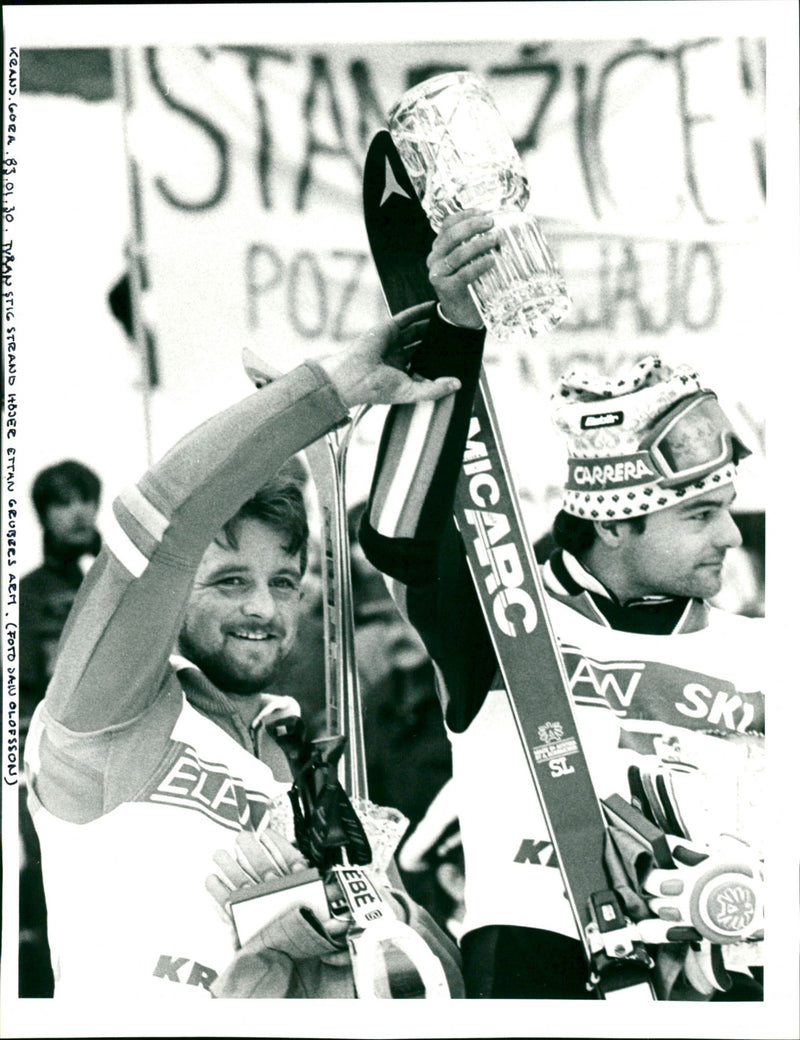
(515,609)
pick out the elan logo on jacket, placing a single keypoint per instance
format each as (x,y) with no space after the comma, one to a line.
(208,787)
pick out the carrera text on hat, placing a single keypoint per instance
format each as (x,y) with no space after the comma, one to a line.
(610,474)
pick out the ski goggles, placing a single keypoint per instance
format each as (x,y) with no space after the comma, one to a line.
(691,440)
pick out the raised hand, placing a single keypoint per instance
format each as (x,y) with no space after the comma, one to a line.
(373,369)
(462,252)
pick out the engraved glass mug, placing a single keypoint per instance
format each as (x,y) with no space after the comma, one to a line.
(459,155)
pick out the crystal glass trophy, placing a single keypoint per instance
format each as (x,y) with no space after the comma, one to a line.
(459,155)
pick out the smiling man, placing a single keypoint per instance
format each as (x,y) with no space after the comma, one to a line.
(242,615)
(150,753)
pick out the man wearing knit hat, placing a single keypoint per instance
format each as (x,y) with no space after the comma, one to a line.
(667,689)
(652,443)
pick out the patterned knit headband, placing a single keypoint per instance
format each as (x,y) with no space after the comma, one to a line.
(604,420)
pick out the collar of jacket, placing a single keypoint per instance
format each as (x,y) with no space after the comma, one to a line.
(571,583)
(208,699)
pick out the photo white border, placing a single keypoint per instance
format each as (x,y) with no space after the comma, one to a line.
(106,25)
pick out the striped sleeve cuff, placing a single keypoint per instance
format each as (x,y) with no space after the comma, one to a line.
(411,455)
(415,435)
(136,531)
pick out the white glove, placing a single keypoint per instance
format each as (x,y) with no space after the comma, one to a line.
(257,857)
(262,857)
(718,891)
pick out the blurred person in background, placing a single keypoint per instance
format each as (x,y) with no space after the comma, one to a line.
(408,753)
(431,862)
(66,497)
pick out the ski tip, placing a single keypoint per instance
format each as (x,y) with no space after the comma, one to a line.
(386,183)
(258,371)
(399,233)
(381,143)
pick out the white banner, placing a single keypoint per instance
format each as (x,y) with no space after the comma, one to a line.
(646,164)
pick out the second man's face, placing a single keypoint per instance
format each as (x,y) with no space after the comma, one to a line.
(682,549)
(242,616)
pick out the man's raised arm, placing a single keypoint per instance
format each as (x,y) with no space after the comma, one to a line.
(128,614)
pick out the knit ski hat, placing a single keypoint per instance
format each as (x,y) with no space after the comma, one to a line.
(633,449)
